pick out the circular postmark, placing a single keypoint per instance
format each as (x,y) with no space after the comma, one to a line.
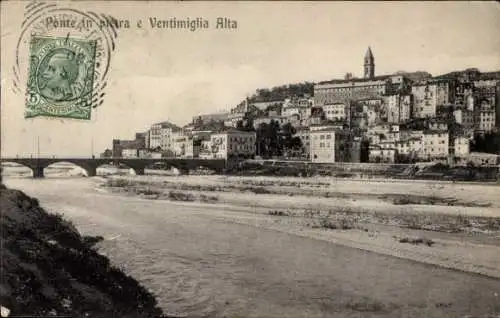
(62,59)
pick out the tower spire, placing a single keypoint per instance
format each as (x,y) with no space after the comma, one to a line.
(369,64)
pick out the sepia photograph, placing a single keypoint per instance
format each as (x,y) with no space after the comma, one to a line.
(302,159)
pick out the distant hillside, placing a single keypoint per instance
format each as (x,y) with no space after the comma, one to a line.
(472,74)
(279,93)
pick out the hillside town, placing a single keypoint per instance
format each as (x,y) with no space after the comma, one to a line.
(404,117)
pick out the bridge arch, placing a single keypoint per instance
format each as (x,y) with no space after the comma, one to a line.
(14,168)
(86,170)
(116,164)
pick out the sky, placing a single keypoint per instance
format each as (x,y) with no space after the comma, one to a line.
(169,74)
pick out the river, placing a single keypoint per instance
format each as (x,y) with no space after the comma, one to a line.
(200,264)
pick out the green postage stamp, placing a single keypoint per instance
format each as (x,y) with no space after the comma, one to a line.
(61,77)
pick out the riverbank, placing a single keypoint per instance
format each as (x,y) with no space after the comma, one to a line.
(210,259)
(49,269)
(439,224)
(420,171)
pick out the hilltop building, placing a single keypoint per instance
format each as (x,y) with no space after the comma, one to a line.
(369,66)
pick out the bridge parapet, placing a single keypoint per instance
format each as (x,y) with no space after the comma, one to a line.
(90,165)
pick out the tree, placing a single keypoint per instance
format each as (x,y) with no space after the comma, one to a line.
(246,124)
(288,142)
(156,149)
(488,142)
(364,151)
(268,139)
(239,125)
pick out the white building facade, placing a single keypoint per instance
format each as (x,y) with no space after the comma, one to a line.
(233,143)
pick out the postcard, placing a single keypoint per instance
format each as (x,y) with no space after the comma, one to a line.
(250,159)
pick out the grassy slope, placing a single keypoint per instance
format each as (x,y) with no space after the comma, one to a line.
(48,268)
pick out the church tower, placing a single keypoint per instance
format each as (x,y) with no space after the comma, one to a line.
(369,64)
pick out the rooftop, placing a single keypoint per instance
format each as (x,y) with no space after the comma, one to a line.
(167,124)
(357,80)
(328,129)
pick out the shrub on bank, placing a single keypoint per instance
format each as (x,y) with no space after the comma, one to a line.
(50,269)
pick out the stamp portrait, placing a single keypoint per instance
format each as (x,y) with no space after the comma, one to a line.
(62,59)
(61,76)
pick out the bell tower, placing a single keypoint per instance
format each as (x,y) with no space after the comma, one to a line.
(369,65)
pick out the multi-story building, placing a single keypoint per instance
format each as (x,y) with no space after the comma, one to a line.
(384,152)
(485,93)
(461,146)
(146,136)
(485,120)
(329,145)
(206,149)
(155,136)
(233,119)
(411,147)
(298,110)
(233,143)
(445,92)
(435,144)
(326,124)
(181,140)
(383,132)
(342,91)
(364,113)
(398,107)
(464,117)
(190,149)
(335,112)
(297,102)
(437,124)
(119,145)
(424,100)
(370,86)
(160,135)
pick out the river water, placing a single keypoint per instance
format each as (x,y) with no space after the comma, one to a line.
(199,264)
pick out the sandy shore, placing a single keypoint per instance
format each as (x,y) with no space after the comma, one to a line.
(464,218)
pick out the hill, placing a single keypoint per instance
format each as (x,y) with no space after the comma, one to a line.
(279,93)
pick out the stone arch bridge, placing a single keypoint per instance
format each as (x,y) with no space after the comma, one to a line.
(90,165)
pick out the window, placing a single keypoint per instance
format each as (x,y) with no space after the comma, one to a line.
(322,137)
(328,136)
